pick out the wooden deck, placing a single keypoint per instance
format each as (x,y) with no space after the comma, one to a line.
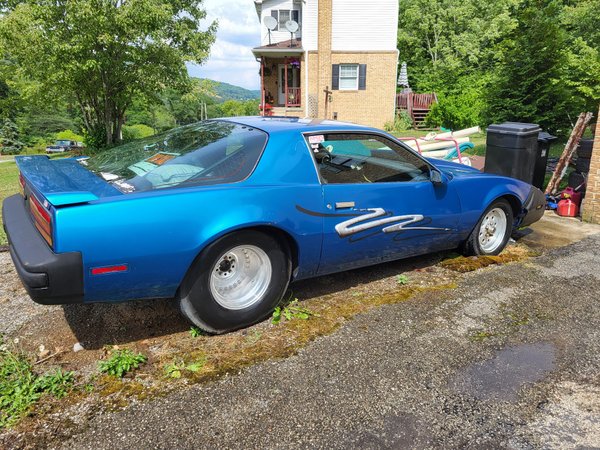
(417,106)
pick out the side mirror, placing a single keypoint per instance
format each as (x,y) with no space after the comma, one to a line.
(436,177)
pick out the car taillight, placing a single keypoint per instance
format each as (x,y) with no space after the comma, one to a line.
(42,218)
(22,184)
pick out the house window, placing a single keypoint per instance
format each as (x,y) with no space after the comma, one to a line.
(348,77)
(283,15)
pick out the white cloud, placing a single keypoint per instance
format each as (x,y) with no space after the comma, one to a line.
(231,59)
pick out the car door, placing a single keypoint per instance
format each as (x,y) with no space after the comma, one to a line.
(380,201)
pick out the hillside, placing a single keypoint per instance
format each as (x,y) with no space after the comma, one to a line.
(226,91)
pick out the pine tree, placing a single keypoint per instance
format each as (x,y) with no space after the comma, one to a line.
(9,138)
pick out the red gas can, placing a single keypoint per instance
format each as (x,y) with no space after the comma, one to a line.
(572,194)
(567,208)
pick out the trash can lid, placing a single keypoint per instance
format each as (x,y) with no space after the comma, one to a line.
(514,128)
(544,136)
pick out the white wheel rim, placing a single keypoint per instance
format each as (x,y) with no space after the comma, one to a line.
(492,230)
(240,277)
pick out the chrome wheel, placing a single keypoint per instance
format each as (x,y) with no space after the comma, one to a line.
(492,230)
(240,277)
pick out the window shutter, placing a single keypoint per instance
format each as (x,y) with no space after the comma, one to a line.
(335,77)
(362,77)
(275,15)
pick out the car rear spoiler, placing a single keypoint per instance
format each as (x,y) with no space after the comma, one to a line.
(63,181)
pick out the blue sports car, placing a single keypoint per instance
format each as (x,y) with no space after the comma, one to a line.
(221,215)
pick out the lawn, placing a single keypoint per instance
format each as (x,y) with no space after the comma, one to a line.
(9,185)
(477,139)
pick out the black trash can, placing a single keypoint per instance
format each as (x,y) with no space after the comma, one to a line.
(539,172)
(512,150)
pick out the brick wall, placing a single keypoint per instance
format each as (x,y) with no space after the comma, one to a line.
(373,106)
(591,205)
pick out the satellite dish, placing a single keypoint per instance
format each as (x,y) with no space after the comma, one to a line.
(270,22)
(291,26)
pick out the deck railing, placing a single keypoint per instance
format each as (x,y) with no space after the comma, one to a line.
(293,97)
(417,105)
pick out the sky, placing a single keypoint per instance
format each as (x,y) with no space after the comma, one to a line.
(231,59)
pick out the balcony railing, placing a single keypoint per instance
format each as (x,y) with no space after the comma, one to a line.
(293,96)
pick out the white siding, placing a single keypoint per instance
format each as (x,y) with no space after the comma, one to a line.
(360,25)
(279,35)
(310,25)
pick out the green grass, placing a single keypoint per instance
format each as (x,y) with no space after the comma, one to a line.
(477,139)
(9,185)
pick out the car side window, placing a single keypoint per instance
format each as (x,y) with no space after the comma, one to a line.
(365,158)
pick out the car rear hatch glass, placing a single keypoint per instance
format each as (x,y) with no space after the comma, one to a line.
(210,152)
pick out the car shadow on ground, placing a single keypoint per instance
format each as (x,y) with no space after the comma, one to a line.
(100,324)
(329,284)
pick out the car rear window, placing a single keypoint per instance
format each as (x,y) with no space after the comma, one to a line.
(210,152)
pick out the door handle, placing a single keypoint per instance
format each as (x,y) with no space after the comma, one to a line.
(343,205)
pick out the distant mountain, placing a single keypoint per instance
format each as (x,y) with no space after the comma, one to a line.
(226,91)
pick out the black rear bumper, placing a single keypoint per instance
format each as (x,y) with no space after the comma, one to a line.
(50,278)
(534,207)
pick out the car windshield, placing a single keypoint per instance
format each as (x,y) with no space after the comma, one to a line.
(210,152)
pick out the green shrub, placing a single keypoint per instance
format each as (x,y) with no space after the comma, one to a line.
(457,110)
(121,362)
(402,122)
(68,135)
(36,146)
(138,131)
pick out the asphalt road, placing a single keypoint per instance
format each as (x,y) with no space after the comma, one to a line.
(509,359)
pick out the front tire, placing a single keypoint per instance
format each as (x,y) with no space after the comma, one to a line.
(492,232)
(237,281)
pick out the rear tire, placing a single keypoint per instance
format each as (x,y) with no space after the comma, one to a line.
(237,281)
(492,232)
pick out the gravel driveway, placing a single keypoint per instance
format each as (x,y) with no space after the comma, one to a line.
(510,359)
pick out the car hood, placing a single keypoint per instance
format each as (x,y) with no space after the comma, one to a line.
(63,181)
(454,169)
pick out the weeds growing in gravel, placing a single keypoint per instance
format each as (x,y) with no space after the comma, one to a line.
(121,362)
(402,279)
(177,368)
(196,332)
(291,311)
(21,386)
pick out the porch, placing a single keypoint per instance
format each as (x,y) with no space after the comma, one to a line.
(281,74)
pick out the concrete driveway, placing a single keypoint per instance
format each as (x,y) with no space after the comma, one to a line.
(508,359)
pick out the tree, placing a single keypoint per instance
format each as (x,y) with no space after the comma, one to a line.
(443,40)
(581,73)
(105,52)
(527,84)
(9,138)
